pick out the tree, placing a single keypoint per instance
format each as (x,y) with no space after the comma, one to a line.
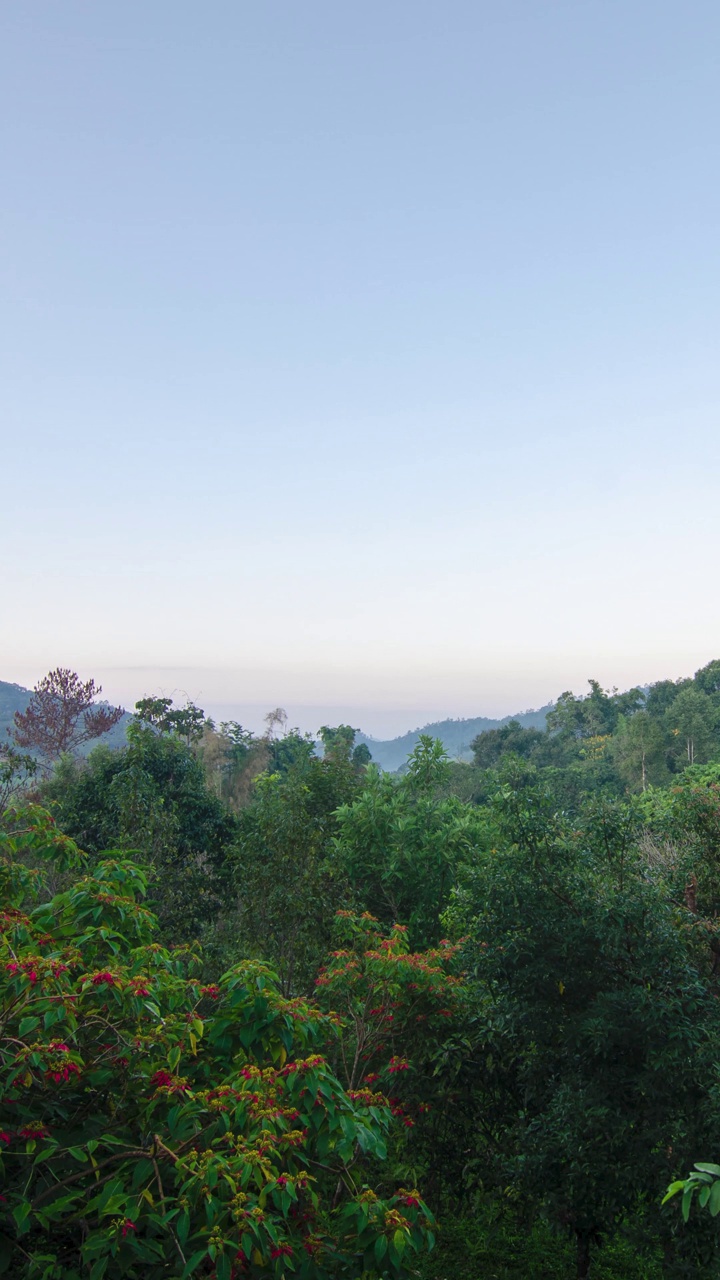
(187,722)
(661,696)
(489,747)
(285,872)
(152,797)
(62,715)
(16,770)
(153,1124)
(594,715)
(707,679)
(400,841)
(639,749)
(599,1021)
(339,744)
(693,719)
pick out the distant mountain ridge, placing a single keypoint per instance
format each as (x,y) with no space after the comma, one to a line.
(455,735)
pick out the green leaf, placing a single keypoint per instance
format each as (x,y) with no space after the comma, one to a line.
(709,1168)
(715,1199)
(78,1154)
(27,1025)
(686,1202)
(143,1169)
(223,1268)
(193,1263)
(21,1213)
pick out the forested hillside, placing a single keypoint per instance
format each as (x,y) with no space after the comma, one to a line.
(271,1014)
(456,736)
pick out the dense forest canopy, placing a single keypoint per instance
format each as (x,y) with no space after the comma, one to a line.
(269,1011)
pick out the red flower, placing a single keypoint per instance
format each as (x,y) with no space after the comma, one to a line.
(34,1130)
(161,1079)
(398,1064)
(282,1251)
(212,991)
(5,1136)
(64,1073)
(127,1227)
(103,979)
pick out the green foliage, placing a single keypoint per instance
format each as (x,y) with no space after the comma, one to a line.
(400,842)
(154,1125)
(187,722)
(152,797)
(592,716)
(692,718)
(596,1026)
(511,738)
(497,1241)
(704,1182)
(639,751)
(287,881)
(394,1004)
(17,769)
(547,1073)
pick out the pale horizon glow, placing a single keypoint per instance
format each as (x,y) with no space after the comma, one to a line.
(359,360)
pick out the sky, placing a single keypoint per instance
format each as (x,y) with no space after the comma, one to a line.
(359,359)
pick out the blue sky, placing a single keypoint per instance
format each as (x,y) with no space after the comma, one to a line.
(361,359)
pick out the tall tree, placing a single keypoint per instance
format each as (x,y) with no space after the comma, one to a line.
(62,715)
(639,748)
(692,717)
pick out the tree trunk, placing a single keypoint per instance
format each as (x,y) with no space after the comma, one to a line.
(583,1255)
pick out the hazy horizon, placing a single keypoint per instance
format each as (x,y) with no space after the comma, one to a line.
(221,696)
(360,358)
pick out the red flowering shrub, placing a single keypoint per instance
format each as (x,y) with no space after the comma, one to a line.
(154,1127)
(394,1005)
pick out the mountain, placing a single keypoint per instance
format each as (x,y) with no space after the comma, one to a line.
(14,698)
(455,735)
